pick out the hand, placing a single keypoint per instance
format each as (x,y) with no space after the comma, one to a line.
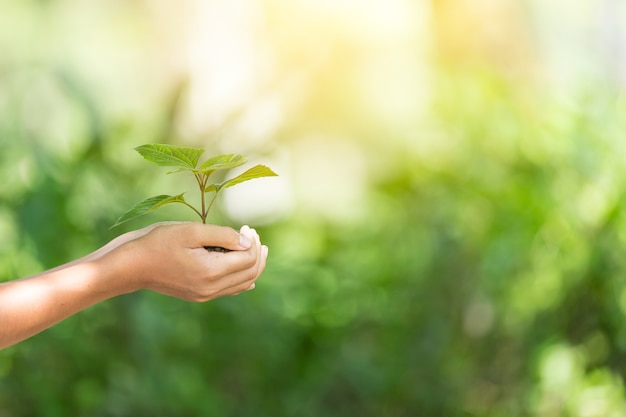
(170,258)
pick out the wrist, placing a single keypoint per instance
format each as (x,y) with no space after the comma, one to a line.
(116,272)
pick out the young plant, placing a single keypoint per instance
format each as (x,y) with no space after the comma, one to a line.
(186,160)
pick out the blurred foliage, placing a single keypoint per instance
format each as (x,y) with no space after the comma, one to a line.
(471,265)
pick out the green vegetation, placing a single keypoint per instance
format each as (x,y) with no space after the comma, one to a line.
(477,268)
(482,277)
(186,160)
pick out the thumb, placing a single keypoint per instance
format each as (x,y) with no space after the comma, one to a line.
(222,236)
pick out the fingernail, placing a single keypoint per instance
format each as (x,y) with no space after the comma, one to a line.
(265,250)
(251,287)
(244,241)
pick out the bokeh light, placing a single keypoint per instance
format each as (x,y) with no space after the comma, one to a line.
(446,231)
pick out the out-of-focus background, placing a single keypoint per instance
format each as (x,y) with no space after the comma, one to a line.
(447,232)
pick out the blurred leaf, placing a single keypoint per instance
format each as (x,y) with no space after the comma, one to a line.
(221,162)
(148,205)
(256,171)
(171,155)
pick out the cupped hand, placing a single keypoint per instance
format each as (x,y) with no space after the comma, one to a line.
(170,258)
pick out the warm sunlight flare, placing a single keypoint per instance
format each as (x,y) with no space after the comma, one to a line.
(446,233)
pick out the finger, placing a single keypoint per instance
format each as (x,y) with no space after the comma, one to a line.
(246,231)
(257,240)
(264,254)
(260,267)
(250,284)
(220,236)
(232,284)
(262,259)
(226,263)
(243,273)
(219,274)
(236,289)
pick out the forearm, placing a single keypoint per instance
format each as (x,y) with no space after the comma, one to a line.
(118,241)
(31,305)
(167,258)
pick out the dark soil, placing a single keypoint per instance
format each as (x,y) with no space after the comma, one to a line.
(216,249)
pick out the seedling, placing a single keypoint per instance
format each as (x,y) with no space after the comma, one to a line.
(186,160)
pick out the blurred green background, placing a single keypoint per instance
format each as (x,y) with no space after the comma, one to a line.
(447,233)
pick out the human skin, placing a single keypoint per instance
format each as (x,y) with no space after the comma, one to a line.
(168,258)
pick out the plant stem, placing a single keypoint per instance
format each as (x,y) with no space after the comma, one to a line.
(212,201)
(191,207)
(205,213)
(202,180)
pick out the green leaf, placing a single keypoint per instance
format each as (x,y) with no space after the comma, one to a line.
(256,171)
(147,205)
(171,155)
(222,162)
